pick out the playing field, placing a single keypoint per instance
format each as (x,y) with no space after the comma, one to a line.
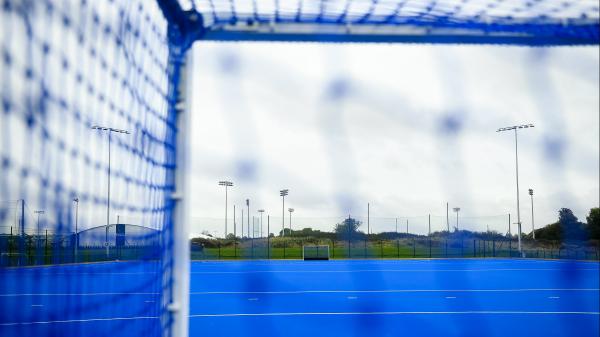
(458,297)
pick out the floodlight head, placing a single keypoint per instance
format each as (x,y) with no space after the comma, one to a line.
(261,211)
(225,183)
(290,210)
(38,212)
(530,191)
(456,209)
(283,193)
(247,202)
(76,200)
(105,128)
(508,128)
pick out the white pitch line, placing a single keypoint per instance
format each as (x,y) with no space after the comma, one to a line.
(388,270)
(401,313)
(78,294)
(80,320)
(384,291)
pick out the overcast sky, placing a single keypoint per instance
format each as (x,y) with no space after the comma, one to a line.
(405,128)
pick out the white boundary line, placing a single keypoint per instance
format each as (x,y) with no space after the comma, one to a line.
(77,294)
(296,271)
(79,320)
(316,314)
(310,292)
(386,291)
(401,313)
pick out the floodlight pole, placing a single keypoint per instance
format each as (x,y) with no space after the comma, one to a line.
(76,201)
(283,193)
(447,218)
(261,211)
(226,184)
(234,225)
(524,126)
(532,222)
(368,218)
(429,222)
(291,210)
(456,209)
(38,212)
(248,215)
(110,131)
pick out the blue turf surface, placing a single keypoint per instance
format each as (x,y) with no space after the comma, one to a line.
(457,297)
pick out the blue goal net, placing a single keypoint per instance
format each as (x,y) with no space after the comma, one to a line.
(89,154)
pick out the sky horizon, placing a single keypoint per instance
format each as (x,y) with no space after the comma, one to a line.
(405,128)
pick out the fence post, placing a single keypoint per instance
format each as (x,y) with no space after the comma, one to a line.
(10,247)
(365,248)
(46,248)
(430,248)
(381,249)
(446,249)
(284,244)
(219,246)
(332,249)
(474,248)
(398,248)
(414,248)
(494,248)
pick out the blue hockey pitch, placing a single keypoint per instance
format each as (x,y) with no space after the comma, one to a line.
(445,297)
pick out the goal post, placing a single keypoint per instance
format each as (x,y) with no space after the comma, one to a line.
(315,252)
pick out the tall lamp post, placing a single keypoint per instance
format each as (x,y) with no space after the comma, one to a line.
(76,201)
(456,209)
(283,193)
(226,184)
(515,128)
(532,222)
(110,132)
(261,211)
(38,212)
(291,210)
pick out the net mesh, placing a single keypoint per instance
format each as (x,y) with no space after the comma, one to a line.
(541,21)
(67,66)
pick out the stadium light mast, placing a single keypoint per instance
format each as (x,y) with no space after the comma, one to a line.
(515,128)
(38,212)
(283,193)
(291,210)
(76,201)
(110,132)
(226,184)
(532,222)
(368,218)
(456,209)
(248,222)
(261,211)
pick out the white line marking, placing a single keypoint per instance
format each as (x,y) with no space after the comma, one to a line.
(297,271)
(80,320)
(351,297)
(385,291)
(253,299)
(554,297)
(403,313)
(450,297)
(37,305)
(77,294)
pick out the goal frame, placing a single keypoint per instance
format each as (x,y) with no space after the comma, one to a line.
(318,257)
